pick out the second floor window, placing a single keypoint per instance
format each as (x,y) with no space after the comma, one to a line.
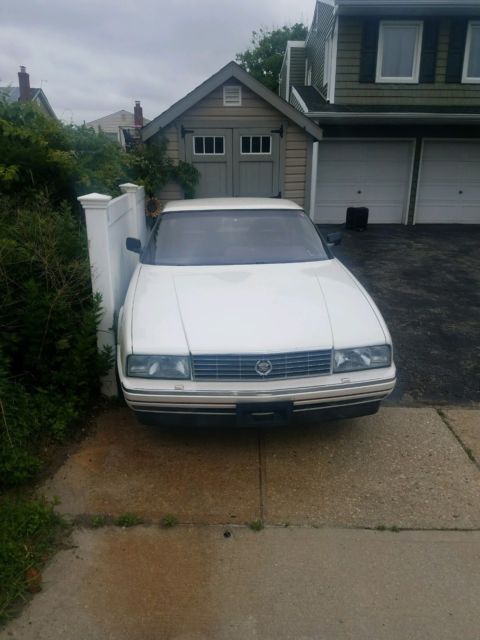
(399,48)
(471,65)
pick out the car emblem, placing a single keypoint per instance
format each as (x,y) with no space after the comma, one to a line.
(263,367)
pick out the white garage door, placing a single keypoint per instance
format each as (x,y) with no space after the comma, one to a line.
(449,183)
(363,174)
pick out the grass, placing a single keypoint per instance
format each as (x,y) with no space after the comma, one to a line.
(98,521)
(128,520)
(256,525)
(29,531)
(169,521)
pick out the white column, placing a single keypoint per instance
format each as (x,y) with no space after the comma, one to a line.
(95,206)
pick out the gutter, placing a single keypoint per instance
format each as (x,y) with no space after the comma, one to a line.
(354,117)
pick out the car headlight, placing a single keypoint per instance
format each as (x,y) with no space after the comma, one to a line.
(361,358)
(166,367)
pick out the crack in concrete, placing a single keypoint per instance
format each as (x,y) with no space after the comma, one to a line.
(468,452)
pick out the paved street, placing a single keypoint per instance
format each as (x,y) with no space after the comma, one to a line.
(372,530)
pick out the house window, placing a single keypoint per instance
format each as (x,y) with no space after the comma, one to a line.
(208,145)
(255,144)
(471,64)
(399,49)
(232,96)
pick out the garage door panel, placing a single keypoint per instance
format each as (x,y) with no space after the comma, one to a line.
(255,179)
(449,183)
(371,174)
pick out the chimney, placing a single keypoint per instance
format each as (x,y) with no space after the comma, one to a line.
(138,114)
(24,85)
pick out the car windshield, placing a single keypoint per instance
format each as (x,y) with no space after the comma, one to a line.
(233,237)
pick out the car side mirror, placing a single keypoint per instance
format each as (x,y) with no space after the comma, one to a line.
(334,239)
(134,244)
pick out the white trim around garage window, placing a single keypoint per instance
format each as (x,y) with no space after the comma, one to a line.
(208,145)
(473,32)
(385,26)
(255,145)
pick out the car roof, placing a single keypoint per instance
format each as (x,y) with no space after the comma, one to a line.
(211,204)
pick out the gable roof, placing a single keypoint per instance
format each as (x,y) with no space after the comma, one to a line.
(230,70)
(12,94)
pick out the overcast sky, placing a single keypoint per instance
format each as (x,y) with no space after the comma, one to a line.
(94,57)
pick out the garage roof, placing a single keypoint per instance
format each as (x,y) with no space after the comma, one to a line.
(231,70)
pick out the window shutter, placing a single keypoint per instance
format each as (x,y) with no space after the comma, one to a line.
(368,57)
(456,50)
(428,60)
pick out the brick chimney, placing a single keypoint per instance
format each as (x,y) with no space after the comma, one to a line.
(24,85)
(138,114)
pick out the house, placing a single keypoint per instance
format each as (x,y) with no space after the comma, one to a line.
(121,125)
(244,139)
(395,87)
(25,93)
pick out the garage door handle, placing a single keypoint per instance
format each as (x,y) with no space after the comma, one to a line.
(359,191)
(460,191)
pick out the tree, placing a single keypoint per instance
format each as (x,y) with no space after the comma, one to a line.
(263,60)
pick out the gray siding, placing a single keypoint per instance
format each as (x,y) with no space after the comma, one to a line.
(297,65)
(348,89)
(296,148)
(315,44)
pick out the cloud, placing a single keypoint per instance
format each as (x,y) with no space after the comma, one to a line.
(94,57)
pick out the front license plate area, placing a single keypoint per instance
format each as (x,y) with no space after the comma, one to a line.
(256,414)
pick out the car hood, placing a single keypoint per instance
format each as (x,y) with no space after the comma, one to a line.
(251,309)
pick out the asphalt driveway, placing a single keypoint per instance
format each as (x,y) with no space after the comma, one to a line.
(426,281)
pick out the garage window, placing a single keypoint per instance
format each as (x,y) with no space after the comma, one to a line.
(471,64)
(209,145)
(399,49)
(255,144)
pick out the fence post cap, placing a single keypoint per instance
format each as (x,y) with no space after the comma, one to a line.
(128,187)
(94,200)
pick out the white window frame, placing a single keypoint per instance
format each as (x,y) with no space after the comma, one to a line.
(466,58)
(255,153)
(416,56)
(208,154)
(238,103)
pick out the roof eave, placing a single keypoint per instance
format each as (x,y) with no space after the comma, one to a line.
(395,118)
(230,70)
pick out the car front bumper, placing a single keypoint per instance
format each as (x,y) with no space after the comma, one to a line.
(234,399)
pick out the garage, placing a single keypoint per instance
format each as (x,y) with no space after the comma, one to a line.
(449,183)
(373,174)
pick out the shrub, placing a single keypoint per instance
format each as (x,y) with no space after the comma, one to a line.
(49,364)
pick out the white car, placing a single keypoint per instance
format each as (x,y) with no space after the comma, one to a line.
(238,309)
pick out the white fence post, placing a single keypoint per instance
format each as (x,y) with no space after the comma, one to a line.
(137,206)
(95,206)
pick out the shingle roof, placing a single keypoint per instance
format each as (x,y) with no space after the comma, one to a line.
(12,94)
(313,100)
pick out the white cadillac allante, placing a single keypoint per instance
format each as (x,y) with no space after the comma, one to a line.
(238,309)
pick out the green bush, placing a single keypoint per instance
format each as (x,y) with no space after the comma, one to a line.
(28,530)
(49,364)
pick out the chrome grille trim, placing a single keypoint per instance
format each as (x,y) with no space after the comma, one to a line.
(297,364)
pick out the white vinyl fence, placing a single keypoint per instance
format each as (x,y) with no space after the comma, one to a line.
(109,223)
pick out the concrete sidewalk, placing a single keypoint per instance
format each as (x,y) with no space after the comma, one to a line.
(323,568)
(192,583)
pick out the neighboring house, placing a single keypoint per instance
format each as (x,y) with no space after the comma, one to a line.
(121,125)
(25,93)
(243,138)
(395,86)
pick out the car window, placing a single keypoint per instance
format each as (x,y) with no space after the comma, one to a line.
(233,237)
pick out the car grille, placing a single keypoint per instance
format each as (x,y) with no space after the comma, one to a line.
(299,364)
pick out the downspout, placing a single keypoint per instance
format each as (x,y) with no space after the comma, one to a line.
(313,180)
